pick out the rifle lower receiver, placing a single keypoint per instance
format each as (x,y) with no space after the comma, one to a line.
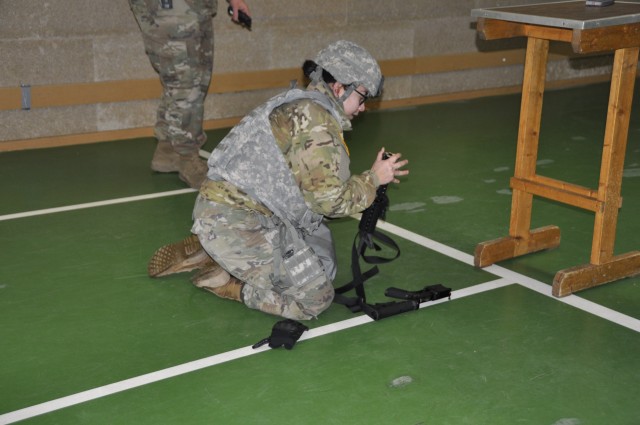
(428,293)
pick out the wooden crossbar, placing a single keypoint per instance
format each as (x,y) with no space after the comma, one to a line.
(557,190)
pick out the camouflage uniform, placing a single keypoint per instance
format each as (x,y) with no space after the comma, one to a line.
(179,43)
(238,231)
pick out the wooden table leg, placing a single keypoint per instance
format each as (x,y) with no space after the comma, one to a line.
(521,239)
(604,267)
(613,153)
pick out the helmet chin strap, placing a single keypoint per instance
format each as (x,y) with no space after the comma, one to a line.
(347,92)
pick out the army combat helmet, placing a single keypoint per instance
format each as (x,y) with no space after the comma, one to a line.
(352,66)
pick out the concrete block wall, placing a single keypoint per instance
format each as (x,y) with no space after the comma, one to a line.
(50,42)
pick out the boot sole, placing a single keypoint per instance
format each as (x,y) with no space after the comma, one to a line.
(164,168)
(213,276)
(232,290)
(179,257)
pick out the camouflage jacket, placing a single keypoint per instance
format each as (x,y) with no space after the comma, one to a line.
(310,138)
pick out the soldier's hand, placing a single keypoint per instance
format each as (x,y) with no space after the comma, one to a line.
(387,170)
(237,5)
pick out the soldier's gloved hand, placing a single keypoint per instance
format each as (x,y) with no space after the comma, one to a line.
(284,333)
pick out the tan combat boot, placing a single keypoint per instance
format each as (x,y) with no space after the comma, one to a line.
(165,159)
(193,170)
(178,257)
(231,291)
(217,280)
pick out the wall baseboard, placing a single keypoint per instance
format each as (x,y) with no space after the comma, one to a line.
(57,95)
(141,132)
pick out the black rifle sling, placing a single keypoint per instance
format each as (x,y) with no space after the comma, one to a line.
(362,241)
(360,245)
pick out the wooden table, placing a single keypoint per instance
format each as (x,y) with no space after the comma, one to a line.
(588,29)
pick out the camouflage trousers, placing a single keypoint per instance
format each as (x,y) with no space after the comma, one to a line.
(239,241)
(179,44)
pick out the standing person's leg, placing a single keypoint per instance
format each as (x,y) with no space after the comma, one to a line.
(179,43)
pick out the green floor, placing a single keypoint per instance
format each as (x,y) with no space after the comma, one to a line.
(79,313)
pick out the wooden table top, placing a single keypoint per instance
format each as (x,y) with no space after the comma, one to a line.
(565,14)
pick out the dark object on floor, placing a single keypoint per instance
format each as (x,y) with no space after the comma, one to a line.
(284,333)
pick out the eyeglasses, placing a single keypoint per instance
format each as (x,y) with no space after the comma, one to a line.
(363,96)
